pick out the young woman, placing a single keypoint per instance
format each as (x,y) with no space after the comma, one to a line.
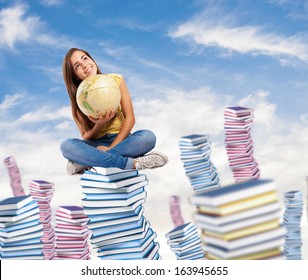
(107,140)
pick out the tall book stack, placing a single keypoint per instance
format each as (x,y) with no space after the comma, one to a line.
(20,229)
(195,153)
(293,201)
(185,242)
(113,202)
(238,122)
(72,234)
(240,221)
(42,191)
(15,178)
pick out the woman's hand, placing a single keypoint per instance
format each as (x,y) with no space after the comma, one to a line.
(103,148)
(102,120)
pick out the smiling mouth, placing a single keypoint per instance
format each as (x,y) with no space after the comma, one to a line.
(89,70)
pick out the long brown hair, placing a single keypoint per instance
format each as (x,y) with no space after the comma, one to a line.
(72,83)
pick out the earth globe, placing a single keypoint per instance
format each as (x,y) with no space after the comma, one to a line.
(98,93)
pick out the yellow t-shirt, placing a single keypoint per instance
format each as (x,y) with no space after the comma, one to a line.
(114,125)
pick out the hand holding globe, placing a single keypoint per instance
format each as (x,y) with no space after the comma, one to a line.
(102,120)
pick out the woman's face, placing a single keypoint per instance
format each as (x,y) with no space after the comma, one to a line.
(83,65)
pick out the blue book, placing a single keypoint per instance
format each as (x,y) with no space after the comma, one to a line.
(24,220)
(127,189)
(132,246)
(233,192)
(116,240)
(131,243)
(123,182)
(180,230)
(93,176)
(113,196)
(194,138)
(130,255)
(38,233)
(29,241)
(117,228)
(125,233)
(20,226)
(15,218)
(14,203)
(13,212)
(114,216)
(21,253)
(39,245)
(136,217)
(99,210)
(19,232)
(113,202)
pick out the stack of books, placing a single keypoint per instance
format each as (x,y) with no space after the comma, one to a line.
(185,242)
(240,221)
(20,229)
(238,122)
(113,202)
(71,234)
(14,174)
(195,153)
(293,201)
(175,210)
(42,191)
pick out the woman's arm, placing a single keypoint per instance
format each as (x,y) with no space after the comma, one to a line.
(99,124)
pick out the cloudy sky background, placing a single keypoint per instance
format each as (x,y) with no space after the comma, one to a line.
(183,61)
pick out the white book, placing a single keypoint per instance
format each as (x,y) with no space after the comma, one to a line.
(142,247)
(127,238)
(239,224)
(233,192)
(152,253)
(128,189)
(14,203)
(109,210)
(251,249)
(21,231)
(118,234)
(113,185)
(90,175)
(107,170)
(134,218)
(26,236)
(113,203)
(245,241)
(22,247)
(221,220)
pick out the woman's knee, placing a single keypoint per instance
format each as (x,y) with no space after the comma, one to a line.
(149,138)
(67,145)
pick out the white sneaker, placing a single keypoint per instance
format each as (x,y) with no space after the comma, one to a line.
(151,160)
(74,168)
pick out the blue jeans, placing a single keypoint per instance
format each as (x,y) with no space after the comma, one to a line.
(85,152)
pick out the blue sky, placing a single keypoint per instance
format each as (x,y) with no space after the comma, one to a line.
(184,61)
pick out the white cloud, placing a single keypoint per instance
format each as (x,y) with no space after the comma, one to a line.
(223,33)
(11,101)
(52,2)
(304,118)
(15,26)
